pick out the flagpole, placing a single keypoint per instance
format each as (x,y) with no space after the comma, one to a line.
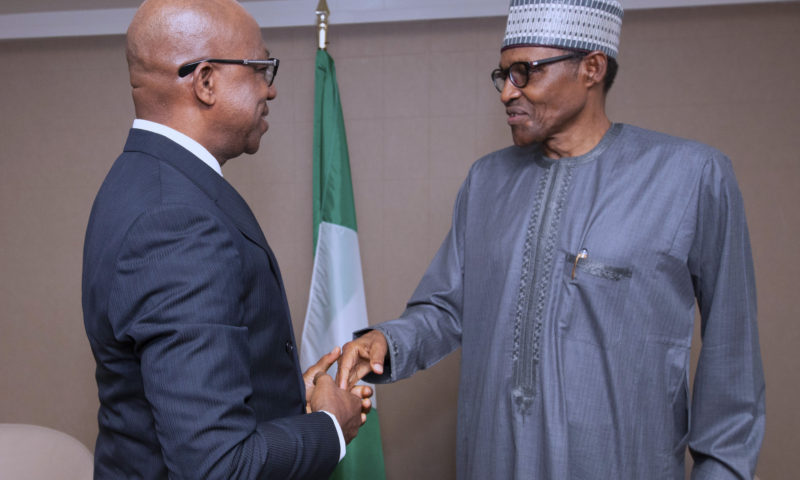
(337,305)
(323,12)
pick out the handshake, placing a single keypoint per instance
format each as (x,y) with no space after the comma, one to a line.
(343,398)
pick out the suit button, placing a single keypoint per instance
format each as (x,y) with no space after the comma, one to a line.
(289,346)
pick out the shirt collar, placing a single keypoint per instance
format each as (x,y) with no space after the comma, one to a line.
(198,150)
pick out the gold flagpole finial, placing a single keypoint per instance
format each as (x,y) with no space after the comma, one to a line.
(322,24)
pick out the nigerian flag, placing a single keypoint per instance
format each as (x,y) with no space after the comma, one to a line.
(336,304)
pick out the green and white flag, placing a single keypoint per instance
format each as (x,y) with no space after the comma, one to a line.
(336,304)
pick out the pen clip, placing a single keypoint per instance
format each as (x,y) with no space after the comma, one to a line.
(583,254)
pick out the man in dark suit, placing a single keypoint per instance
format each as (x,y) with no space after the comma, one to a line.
(183,300)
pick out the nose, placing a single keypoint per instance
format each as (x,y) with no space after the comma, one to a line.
(509,91)
(272,92)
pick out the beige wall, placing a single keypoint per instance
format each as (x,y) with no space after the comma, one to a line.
(420,109)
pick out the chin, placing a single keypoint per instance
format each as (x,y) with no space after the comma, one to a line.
(523,138)
(250,150)
(253,145)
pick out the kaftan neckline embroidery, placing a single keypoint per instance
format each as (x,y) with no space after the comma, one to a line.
(534,288)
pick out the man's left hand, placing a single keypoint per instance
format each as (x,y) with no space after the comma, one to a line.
(323,364)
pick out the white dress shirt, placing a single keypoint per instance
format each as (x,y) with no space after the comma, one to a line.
(198,150)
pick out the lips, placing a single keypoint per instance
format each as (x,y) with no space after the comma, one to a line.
(264,117)
(264,114)
(515,115)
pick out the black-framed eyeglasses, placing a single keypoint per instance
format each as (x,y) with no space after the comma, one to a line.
(270,64)
(519,72)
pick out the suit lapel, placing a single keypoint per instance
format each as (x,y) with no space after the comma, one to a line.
(224,195)
(216,187)
(230,202)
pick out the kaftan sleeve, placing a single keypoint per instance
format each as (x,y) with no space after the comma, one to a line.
(727,417)
(430,327)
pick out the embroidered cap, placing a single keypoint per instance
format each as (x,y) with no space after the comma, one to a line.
(571,24)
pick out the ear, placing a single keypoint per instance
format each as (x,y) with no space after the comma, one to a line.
(594,68)
(204,84)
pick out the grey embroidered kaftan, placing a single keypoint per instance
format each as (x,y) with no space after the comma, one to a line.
(578,369)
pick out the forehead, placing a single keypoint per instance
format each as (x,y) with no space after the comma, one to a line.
(527,54)
(254,49)
(259,45)
(247,41)
(261,50)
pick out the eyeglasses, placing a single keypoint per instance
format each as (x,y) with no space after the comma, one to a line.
(519,72)
(270,71)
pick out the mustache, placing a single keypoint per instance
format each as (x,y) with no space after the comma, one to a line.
(513,108)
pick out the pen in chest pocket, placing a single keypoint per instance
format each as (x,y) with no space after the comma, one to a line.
(581,255)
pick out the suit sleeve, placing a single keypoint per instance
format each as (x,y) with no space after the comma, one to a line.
(176,297)
(727,418)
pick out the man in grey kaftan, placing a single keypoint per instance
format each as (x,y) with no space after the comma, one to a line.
(585,374)
(570,284)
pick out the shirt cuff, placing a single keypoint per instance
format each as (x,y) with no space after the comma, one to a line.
(342,445)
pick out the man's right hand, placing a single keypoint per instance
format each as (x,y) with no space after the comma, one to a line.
(363,355)
(344,405)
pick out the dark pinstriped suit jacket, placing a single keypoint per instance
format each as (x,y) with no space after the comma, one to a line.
(186,314)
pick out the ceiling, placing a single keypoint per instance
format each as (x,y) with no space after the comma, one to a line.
(46,18)
(38,6)
(30,6)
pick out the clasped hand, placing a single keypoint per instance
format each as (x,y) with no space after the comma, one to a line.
(349,405)
(360,357)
